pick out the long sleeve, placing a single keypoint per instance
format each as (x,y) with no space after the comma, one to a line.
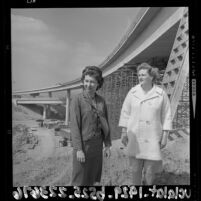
(107,140)
(125,111)
(166,117)
(75,124)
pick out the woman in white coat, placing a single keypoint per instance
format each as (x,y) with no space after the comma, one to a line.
(145,120)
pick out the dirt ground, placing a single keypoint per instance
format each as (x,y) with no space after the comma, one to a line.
(39,160)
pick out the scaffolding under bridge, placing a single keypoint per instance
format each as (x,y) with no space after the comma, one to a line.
(117,85)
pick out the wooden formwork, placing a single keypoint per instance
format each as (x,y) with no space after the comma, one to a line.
(182,116)
(114,90)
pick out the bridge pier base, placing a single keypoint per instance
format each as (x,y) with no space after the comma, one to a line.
(50,94)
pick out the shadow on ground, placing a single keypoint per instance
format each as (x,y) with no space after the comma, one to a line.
(170,178)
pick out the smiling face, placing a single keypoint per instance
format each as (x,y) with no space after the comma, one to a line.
(144,77)
(90,84)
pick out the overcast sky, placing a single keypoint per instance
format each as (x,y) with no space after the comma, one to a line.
(52,46)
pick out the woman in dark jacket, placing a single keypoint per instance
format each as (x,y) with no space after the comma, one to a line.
(87,130)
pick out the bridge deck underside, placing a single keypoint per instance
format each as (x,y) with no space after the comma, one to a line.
(39,102)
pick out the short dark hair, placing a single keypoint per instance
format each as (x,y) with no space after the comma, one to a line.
(153,72)
(95,72)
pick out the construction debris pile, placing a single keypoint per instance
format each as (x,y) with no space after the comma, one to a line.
(23,139)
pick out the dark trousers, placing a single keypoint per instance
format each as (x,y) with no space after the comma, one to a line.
(89,172)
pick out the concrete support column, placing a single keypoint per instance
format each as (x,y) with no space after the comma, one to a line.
(48,111)
(67,107)
(45,111)
(50,94)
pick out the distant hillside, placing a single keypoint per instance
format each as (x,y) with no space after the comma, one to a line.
(25,113)
(33,112)
(57,112)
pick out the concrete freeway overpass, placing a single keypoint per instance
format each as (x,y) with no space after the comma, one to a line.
(151,34)
(24,101)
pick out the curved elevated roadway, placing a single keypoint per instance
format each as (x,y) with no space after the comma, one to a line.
(151,34)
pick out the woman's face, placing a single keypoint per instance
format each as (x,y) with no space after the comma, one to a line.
(144,77)
(90,84)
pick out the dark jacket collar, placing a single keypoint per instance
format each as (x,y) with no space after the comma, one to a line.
(85,95)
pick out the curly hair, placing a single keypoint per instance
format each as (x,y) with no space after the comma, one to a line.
(153,72)
(95,72)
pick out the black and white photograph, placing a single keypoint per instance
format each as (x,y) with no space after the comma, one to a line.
(100,96)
